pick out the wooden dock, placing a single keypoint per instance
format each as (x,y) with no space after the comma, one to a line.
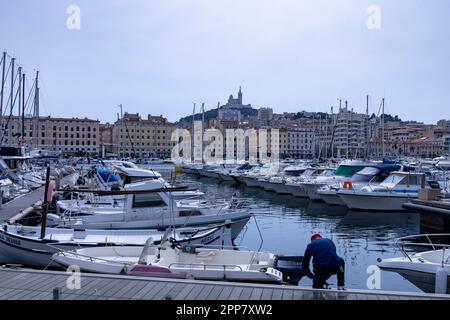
(17,205)
(26,284)
(429,206)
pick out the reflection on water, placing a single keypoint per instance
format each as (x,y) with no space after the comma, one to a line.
(286,224)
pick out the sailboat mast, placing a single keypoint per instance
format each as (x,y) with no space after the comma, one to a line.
(13,62)
(23,107)
(2,89)
(382,128)
(20,99)
(367,128)
(36,110)
(121,129)
(193,134)
(203,123)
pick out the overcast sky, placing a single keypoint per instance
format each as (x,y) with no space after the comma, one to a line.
(159,56)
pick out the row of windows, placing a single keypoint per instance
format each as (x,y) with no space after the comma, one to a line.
(66,135)
(66,143)
(143,131)
(143,137)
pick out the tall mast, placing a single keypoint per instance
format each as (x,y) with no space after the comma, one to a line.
(23,107)
(382,128)
(36,110)
(13,60)
(2,90)
(121,129)
(20,100)
(348,140)
(367,128)
(193,135)
(203,123)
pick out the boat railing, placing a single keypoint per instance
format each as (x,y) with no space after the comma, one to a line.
(91,258)
(206,266)
(407,242)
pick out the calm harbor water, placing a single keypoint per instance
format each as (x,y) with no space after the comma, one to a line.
(286,224)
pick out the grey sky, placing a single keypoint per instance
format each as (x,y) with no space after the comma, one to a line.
(158,56)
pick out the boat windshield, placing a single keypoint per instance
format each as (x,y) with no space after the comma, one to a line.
(365,175)
(393,180)
(347,171)
(294,173)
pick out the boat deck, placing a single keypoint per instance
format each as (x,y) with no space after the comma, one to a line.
(25,284)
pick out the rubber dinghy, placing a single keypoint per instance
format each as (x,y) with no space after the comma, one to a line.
(172,259)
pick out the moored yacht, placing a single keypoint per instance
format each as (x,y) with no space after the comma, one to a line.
(147,209)
(425,262)
(374,175)
(397,189)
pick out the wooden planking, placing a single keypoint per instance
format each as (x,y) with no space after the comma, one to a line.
(277,294)
(192,295)
(154,291)
(39,285)
(17,205)
(256,294)
(266,294)
(162,294)
(225,294)
(215,292)
(246,293)
(184,292)
(234,295)
(288,294)
(149,286)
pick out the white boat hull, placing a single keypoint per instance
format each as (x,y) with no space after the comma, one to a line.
(375,201)
(18,249)
(330,197)
(251,182)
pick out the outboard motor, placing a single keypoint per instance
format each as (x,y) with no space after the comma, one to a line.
(291,268)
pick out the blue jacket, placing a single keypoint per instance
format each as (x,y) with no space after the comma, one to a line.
(323,252)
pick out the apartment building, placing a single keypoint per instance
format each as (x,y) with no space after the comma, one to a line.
(62,135)
(134,136)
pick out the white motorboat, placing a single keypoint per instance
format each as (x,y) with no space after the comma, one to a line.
(146,209)
(23,244)
(278,183)
(373,174)
(428,269)
(389,195)
(295,185)
(345,171)
(169,259)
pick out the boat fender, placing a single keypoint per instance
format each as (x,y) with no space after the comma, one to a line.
(53,219)
(348,185)
(441,281)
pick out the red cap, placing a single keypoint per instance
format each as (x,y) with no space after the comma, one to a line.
(316,236)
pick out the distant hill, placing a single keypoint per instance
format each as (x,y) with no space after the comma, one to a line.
(212,114)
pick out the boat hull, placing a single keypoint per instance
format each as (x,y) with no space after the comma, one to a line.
(422,275)
(375,201)
(330,197)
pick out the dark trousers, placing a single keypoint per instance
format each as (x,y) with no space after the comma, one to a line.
(323,273)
